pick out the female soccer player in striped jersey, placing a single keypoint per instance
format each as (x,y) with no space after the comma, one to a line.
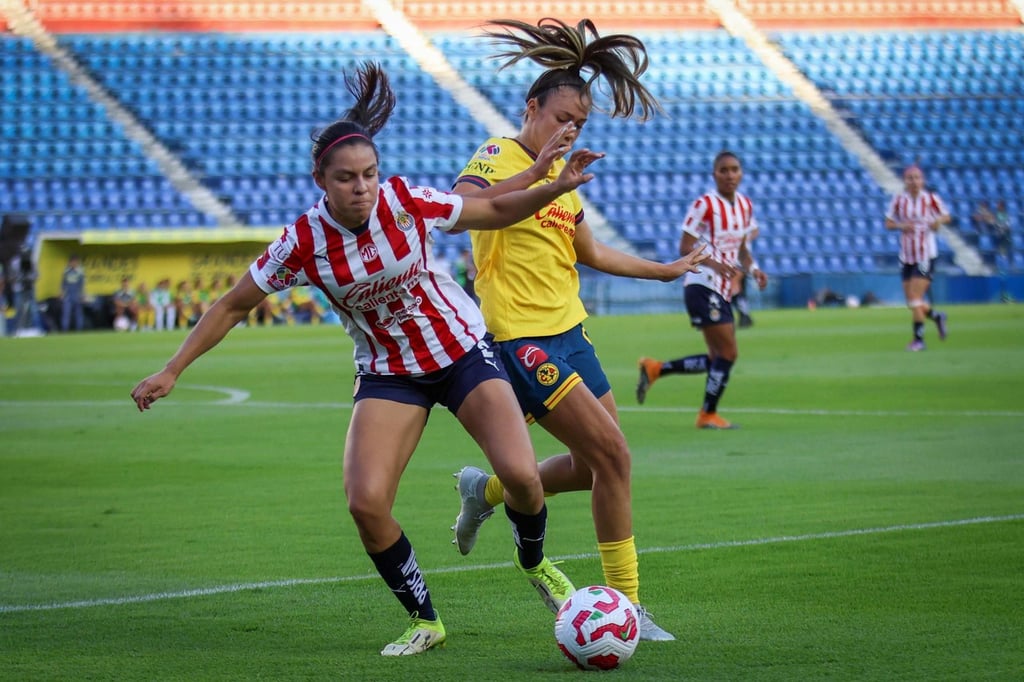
(419,340)
(918,214)
(724,219)
(529,287)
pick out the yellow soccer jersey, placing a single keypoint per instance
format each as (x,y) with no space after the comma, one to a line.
(526,273)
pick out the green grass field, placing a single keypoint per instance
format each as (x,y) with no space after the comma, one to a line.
(865,523)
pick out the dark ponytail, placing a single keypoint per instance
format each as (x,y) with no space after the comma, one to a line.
(575,57)
(375,101)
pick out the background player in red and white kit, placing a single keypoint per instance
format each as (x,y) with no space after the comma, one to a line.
(419,340)
(918,214)
(725,220)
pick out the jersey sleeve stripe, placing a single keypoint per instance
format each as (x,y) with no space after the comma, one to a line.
(475,180)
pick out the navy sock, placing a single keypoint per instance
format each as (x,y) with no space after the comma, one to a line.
(718,377)
(919,331)
(691,364)
(528,534)
(397,565)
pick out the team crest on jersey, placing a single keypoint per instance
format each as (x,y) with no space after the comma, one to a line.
(368,253)
(404,221)
(715,303)
(488,152)
(282,279)
(547,374)
(530,356)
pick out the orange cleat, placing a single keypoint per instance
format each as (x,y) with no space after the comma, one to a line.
(650,370)
(711,420)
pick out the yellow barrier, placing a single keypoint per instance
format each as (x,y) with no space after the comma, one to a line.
(149,256)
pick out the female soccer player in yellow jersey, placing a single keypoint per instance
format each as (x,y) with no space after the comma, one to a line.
(528,285)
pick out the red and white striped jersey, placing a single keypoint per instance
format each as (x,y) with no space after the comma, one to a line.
(404,316)
(917,245)
(723,225)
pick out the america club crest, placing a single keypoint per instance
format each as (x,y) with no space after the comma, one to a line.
(547,374)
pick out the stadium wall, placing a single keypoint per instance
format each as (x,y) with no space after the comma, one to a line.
(605,295)
(147,257)
(150,256)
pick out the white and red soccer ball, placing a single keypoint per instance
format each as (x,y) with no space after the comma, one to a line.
(597,628)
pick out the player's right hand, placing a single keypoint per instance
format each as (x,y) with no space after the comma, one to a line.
(152,388)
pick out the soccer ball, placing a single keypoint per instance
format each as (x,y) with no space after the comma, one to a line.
(597,628)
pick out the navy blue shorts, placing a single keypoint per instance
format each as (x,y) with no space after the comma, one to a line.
(448,386)
(706,306)
(543,369)
(910,271)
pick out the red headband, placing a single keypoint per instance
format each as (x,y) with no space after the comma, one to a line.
(340,139)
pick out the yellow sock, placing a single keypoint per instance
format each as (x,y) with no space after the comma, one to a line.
(621,568)
(494,493)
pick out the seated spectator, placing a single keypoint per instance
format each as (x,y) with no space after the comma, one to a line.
(216,288)
(304,308)
(126,309)
(145,313)
(164,310)
(869,298)
(828,297)
(185,303)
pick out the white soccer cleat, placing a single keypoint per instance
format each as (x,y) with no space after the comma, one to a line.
(649,630)
(474,510)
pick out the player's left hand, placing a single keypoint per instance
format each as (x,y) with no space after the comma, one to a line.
(574,175)
(761,278)
(688,263)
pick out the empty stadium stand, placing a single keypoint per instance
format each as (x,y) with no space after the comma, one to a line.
(234,90)
(950,101)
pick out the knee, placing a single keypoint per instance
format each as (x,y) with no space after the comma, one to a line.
(611,457)
(522,484)
(728,352)
(367,510)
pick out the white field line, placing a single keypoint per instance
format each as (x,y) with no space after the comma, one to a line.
(241,587)
(238,399)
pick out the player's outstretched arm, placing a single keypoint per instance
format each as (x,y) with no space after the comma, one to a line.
(222,316)
(607,259)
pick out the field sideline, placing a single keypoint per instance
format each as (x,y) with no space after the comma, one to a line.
(864,523)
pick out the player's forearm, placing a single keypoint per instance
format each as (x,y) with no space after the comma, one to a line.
(520,181)
(608,260)
(208,332)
